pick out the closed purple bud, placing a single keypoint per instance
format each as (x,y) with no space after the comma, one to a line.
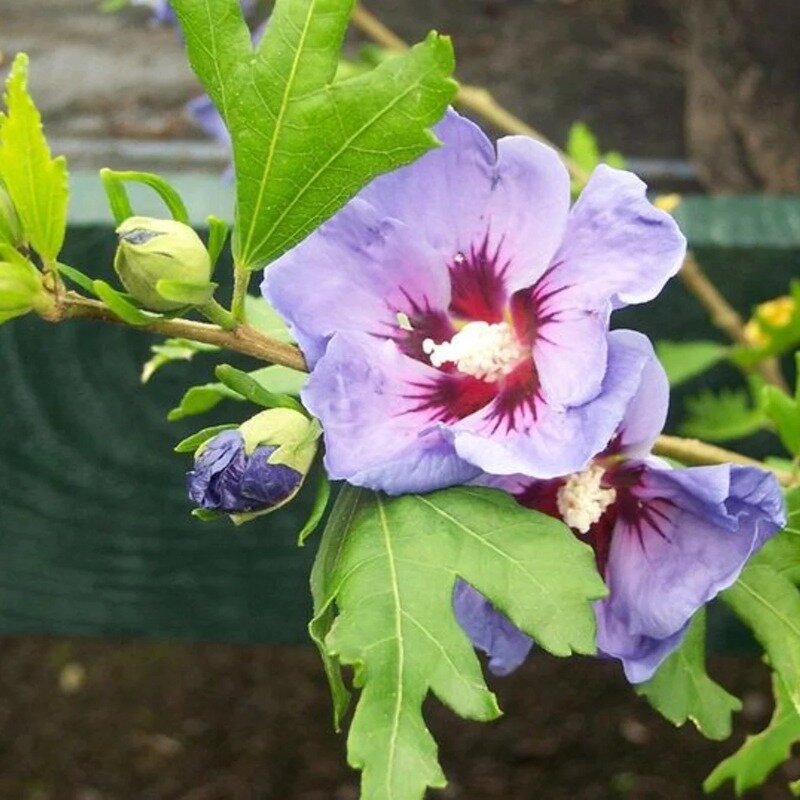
(226,479)
(256,468)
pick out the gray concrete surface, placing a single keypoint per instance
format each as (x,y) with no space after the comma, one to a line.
(96,74)
(552,61)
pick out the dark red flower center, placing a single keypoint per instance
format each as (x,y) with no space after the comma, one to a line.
(631,512)
(481,345)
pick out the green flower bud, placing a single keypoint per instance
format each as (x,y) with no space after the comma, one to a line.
(21,287)
(151,250)
(10,228)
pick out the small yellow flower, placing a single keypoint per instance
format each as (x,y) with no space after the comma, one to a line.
(667,202)
(776,313)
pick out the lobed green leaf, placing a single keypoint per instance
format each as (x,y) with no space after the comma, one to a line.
(722,417)
(392,579)
(682,690)
(769,604)
(761,754)
(303,143)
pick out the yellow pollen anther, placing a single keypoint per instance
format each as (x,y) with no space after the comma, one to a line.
(403,321)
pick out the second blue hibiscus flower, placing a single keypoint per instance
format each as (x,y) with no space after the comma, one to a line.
(666,540)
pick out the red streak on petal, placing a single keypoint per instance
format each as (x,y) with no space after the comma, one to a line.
(478,287)
(522,307)
(425,322)
(533,309)
(637,517)
(517,398)
(452,397)
(542,496)
(600,536)
(478,294)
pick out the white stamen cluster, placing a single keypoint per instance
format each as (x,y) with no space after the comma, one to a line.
(582,500)
(481,349)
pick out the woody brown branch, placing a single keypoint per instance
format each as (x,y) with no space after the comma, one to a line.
(242,339)
(724,316)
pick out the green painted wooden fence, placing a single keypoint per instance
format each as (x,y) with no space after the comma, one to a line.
(95,534)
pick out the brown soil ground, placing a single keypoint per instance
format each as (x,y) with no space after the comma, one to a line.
(130,721)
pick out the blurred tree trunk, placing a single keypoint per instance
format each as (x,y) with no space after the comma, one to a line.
(743,101)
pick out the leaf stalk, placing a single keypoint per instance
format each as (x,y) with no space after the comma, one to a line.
(219,315)
(241,280)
